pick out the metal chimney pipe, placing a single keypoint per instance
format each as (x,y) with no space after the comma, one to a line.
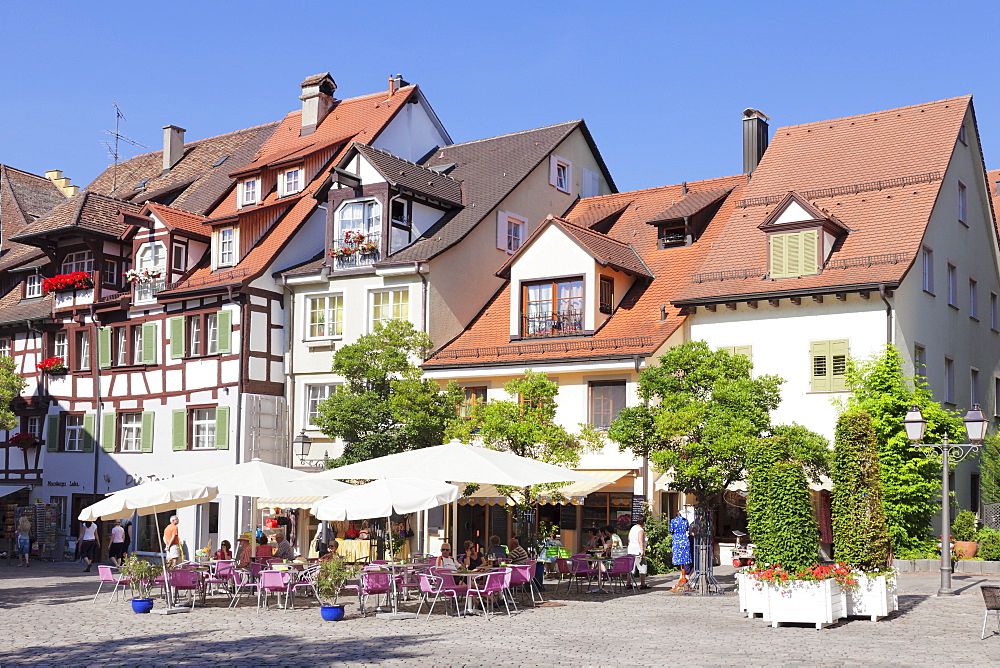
(754,138)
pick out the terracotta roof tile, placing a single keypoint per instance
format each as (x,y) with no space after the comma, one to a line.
(690,204)
(24,197)
(85,211)
(181,220)
(13,309)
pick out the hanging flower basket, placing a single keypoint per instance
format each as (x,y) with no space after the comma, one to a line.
(52,365)
(141,276)
(368,248)
(343,251)
(78,280)
(23,440)
(352,237)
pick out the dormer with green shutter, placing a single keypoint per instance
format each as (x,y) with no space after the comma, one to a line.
(800,238)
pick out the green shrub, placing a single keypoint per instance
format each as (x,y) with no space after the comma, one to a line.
(989,545)
(964,526)
(659,544)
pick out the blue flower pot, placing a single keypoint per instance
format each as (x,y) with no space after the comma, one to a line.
(142,605)
(332,613)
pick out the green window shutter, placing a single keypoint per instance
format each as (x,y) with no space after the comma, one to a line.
(819,358)
(180,432)
(104,347)
(225,323)
(108,434)
(89,427)
(838,365)
(52,433)
(147,431)
(149,343)
(746,351)
(810,249)
(778,265)
(221,426)
(177,337)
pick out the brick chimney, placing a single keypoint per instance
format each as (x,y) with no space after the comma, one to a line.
(754,138)
(61,182)
(317,101)
(173,145)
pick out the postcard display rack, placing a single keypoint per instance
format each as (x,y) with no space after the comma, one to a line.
(9,534)
(45,526)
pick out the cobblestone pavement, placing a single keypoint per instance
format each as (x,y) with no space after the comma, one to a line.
(48,618)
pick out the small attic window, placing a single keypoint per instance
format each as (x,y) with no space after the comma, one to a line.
(142,184)
(220,161)
(672,235)
(961,135)
(794,253)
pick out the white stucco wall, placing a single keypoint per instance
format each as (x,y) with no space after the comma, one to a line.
(412,133)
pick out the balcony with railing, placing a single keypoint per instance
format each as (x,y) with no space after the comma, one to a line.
(72,289)
(356,249)
(145,292)
(563,323)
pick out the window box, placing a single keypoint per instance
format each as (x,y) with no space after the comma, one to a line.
(78,280)
(54,366)
(357,248)
(141,276)
(23,440)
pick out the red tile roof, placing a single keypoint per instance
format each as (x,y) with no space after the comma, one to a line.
(180,220)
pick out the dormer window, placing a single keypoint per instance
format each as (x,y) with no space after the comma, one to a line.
(552,308)
(79,261)
(153,258)
(358,236)
(290,181)
(248,191)
(227,246)
(33,286)
(793,253)
(800,238)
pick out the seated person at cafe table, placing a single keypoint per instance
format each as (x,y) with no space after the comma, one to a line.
(446,560)
(473,557)
(243,552)
(264,551)
(496,551)
(224,553)
(331,552)
(284,550)
(517,555)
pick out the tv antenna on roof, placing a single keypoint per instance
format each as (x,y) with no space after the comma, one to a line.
(113,146)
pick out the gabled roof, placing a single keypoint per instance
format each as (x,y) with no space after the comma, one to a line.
(180,220)
(24,197)
(15,310)
(201,176)
(644,318)
(690,204)
(605,250)
(489,170)
(878,174)
(84,212)
(411,176)
(362,117)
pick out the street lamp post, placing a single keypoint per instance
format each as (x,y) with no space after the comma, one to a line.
(300,447)
(975,429)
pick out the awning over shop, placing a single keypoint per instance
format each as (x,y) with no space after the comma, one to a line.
(662,484)
(573,493)
(288,502)
(10,489)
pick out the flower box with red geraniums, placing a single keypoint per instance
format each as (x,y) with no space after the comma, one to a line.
(52,365)
(814,595)
(23,440)
(78,280)
(368,248)
(343,251)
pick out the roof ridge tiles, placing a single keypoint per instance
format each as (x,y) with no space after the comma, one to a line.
(203,139)
(509,134)
(409,162)
(876,113)
(663,187)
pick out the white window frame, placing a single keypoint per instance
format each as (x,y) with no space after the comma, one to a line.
(249,191)
(952,285)
(227,247)
(393,306)
(203,428)
(963,203)
(137,357)
(120,344)
(72,433)
(505,239)
(194,335)
(371,219)
(178,251)
(212,333)
(6,344)
(131,432)
(283,181)
(84,350)
(152,255)
(927,267)
(32,286)
(60,346)
(567,181)
(332,308)
(33,426)
(78,261)
(314,394)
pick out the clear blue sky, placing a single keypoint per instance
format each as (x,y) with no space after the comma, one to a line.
(660,84)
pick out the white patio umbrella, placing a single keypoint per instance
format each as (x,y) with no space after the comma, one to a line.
(458,462)
(382,498)
(149,499)
(253,478)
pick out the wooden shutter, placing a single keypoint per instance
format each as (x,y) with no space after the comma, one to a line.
(149,343)
(838,365)
(108,435)
(810,251)
(777,248)
(180,431)
(819,366)
(502,230)
(147,431)
(553,165)
(746,351)
(793,254)
(52,433)
(89,427)
(104,347)
(221,428)
(177,342)
(225,323)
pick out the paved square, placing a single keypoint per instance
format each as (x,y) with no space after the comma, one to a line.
(49,619)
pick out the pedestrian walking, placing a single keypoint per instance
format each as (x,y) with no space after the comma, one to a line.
(637,548)
(116,551)
(24,540)
(89,543)
(172,542)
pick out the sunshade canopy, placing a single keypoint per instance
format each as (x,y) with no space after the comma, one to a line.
(382,498)
(9,489)
(149,498)
(253,478)
(307,492)
(458,462)
(574,493)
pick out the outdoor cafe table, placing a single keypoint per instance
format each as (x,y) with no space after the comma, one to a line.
(393,569)
(470,576)
(597,563)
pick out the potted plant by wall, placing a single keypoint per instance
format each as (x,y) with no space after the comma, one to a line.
(330,580)
(141,575)
(963,532)
(23,440)
(860,532)
(53,366)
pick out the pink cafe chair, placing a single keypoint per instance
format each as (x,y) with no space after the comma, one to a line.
(434,584)
(521,577)
(108,575)
(273,582)
(181,579)
(242,582)
(488,586)
(621,572)
(449,580)
(375,583)
(307,581)
(221,576)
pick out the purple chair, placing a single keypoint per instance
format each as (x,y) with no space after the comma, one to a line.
(242,582)
(581,570)
(107,574)
(374,583)
(434,584)
(222,575)
(306,581)
(521,577)
(255,569)
(181,579)
(449,580)
(488,586)
(621,572)
(272,582)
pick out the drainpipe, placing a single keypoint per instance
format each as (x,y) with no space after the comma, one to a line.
(239,410)
(95,370)
(422,538)
(888,312)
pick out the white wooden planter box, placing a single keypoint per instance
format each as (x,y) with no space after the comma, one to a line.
(753,598)
(820,603)
(875,597)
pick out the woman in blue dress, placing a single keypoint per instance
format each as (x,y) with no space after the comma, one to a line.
(681,546)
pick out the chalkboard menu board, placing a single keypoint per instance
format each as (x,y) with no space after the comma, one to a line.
(567,517)
(638,507)
(498,522)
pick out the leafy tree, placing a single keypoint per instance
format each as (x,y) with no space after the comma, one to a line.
(702,408)
(525,425)
(910,476)
(11,385)
(385,406)
(860,533)
(990,467)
